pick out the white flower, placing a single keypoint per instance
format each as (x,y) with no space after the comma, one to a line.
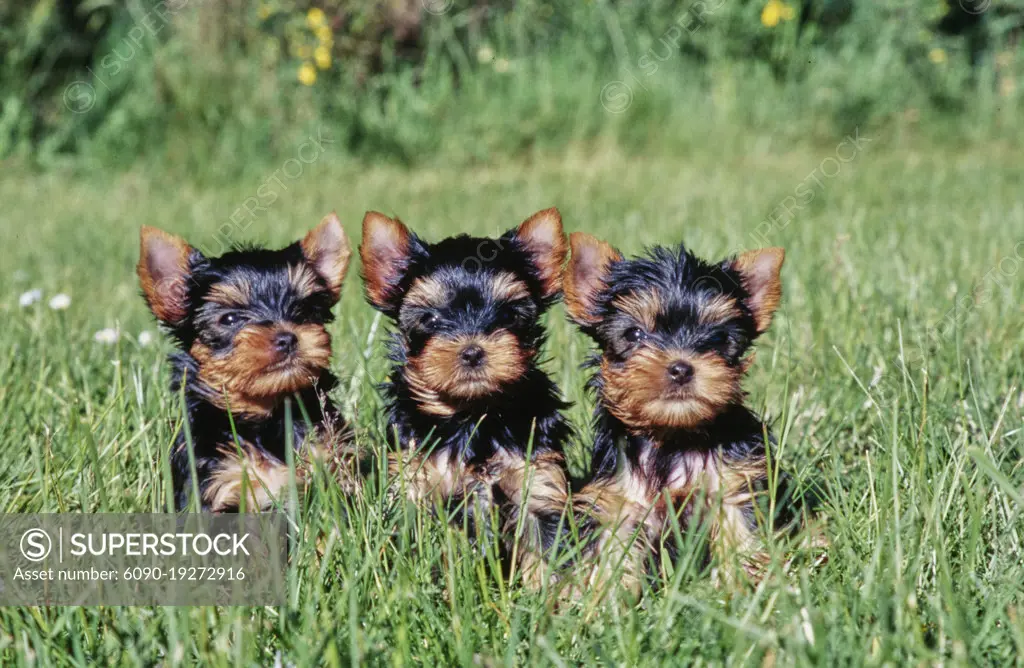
(107,335)
(501,65)
(30,297)
(485,54)
(879,371)
(60,302)
(145,337)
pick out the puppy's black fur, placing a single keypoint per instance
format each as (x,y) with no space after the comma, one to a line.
(468,403)
(250,328)
(672,435)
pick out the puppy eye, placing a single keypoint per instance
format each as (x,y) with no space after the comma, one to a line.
(717,339)
(230,319)
(506,318)
(634,334)
(429,320)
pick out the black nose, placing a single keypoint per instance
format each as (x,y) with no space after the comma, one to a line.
(472,356)
(680,372)
(286,343)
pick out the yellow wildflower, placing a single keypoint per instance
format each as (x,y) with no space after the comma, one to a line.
(307,74)
(264,12)
(775,11)
(324,34)
(315,18)
(322,56)
(937,56)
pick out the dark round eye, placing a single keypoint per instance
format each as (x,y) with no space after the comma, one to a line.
(634,334)
(429,320)
(506,318)
(230,319)
(718,338)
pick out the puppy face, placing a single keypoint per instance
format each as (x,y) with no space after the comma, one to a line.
(253,320)
(673,330)
(467,308)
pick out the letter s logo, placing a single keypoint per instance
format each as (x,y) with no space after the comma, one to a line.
(36,544)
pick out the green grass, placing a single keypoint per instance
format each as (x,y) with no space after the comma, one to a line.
(924,484)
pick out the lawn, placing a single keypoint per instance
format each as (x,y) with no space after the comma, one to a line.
(895,251)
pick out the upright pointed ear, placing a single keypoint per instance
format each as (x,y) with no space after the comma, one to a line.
(544,240)
(163,271)
(586,275)
(760,272)
(385,253)
(328,252)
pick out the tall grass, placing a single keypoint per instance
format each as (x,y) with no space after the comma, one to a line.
(213,87)
(892,376)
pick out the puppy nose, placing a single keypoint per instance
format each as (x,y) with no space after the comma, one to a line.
(286,342)
(680,372)
(472,356)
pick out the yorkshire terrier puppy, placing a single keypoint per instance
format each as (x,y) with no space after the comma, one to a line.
(250,328)
(478,423)
(672,434)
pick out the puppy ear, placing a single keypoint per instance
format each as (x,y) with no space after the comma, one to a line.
(544,240)
(385,253)
(586,275)
(327,250)
(759,271)
(163,271)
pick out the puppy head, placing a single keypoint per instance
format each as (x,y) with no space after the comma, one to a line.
(467,308)
(673,330)
(253,320)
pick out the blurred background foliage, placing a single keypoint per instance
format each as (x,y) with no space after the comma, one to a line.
(210,86)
